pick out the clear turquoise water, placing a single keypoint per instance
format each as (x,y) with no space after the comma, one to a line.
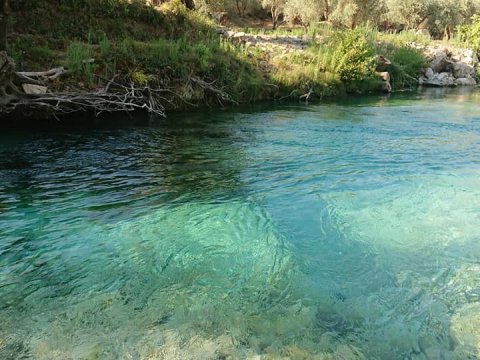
(337,231)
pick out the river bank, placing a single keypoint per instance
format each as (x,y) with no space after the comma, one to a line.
(171,58)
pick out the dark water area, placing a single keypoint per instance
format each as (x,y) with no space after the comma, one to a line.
(342,230)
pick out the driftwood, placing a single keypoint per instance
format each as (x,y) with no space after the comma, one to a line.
(221,96)
(39,77)
(114,97)
(307,95)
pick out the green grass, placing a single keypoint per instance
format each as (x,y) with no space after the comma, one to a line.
(135,43)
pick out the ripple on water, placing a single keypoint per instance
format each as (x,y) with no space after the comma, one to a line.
(331,232)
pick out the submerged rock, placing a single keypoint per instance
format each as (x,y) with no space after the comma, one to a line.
(465,329)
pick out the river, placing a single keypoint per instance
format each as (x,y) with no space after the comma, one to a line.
(345,230)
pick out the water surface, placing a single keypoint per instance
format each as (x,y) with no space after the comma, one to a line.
(338,231)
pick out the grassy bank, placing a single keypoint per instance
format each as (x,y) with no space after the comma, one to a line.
(167,47)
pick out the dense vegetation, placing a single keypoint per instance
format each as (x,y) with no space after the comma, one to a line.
(166,45)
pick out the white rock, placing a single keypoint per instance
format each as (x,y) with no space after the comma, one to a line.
(32,89)
(441,79)
(469,53)
(439,60)
(462,70)
(384,75)
(239,34)
(429,73)
(466,81)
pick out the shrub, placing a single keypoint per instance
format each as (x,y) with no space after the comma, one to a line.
(406,65)
(350,54)
(470,34)
(78,61)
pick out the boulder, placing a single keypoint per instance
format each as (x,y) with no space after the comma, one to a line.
(239,34)
(386,87)
(429,73)
(440,62)
(384,75)
(466,81)
(462,70)
(442,79)
(31,89)
(466,56)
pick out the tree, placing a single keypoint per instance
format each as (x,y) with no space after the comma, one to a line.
(350,13)
(446,15)
(307,11)
(276,8)
(3,24)
(408,13)
(241,6)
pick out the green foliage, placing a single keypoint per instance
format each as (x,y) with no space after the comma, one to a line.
(104,46)
(306,11)
(403,38)
(470,34)
(350,54)
(405,68)
(78,61)
(19,48)
(408,13)
(140,78)
(42,53)
(353,13)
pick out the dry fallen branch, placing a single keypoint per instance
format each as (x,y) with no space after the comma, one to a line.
(129,99)
(307,95)
(222,96)
(46,75)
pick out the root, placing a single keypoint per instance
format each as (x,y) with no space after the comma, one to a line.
(122,98)
(221,96)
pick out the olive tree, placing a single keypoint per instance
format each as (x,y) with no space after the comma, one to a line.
(408,13)
(446,15)
(350,13)
(276,8)
(305,11)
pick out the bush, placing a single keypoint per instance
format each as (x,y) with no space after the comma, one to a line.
(78,61)
(350,54)
(406,65)
(470,34)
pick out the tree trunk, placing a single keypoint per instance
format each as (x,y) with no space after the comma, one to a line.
(3,24)
(241,7)
(273,10)
(326,11)
(189,4)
